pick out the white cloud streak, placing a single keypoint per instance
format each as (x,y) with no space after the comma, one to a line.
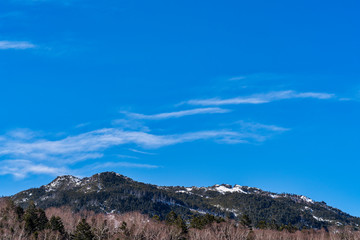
(22,168)
(142,152)
(81,125)
(20,45)
(260,98)
(122,164)
(177,114)
(130,124)
(24,152)
(251,126)
(22,133)
(126,156)
(91,144)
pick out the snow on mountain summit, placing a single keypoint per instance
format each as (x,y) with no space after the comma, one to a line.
(225,188)
(68,180)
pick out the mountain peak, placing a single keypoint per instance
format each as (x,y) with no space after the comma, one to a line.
(110,173)
(66,181)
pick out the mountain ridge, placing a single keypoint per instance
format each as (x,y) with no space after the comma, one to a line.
(110,192)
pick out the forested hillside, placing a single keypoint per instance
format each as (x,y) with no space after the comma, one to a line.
(110,192)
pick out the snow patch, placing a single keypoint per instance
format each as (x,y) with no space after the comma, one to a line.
(321,219)
(183,191)
(307,208)
(228,189)
(274,195)
(233,211)
(44,198)
(306,199)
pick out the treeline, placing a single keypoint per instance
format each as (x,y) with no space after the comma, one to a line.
(34,223)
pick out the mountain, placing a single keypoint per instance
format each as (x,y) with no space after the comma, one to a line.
(111,192)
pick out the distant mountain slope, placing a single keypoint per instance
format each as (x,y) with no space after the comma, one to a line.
(110,192)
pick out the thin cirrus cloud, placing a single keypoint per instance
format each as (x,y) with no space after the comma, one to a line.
(20,168)
(37,152)
(177,114)
(260,98)
(90,145)
(252,126)
(64,152)
(19,45)
(142,152)
(122,164)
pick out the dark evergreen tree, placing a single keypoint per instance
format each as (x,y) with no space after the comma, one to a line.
(262,224)
(171,218)
(180,223)
(30,218)
(42,220)
(56,224)
(19,212)
(273,225)
(200,222)
(83,231)
(290,228)
(35,219)
(245,220)
(196,222)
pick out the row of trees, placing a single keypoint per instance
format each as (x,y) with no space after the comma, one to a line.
(34,222)
(63,224)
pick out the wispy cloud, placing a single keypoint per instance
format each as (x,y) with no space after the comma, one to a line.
(130,124)
(122,164)
(177,114)
(253,132)
(237,78)
(142,152)
(16,45)
(21,168)
(126,156)
(91,144)
(261,76)
(260,98)
(252,126)
(22,133)
(36,152)
(81,125)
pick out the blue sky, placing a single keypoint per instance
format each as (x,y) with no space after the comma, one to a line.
(257,93)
